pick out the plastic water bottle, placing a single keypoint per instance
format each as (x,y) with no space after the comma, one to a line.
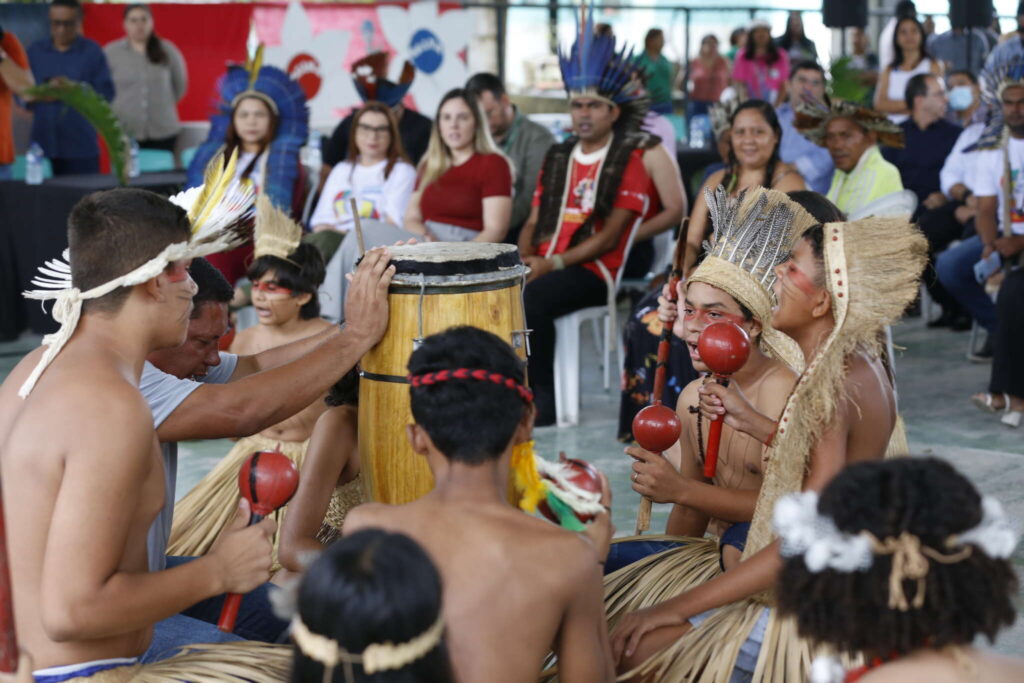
(311,155)
(698,129)
(133,160)
(34,159)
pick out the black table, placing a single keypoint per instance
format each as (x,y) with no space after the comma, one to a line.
(33,229)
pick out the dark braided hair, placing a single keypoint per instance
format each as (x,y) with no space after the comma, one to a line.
(928,498)
(768,113)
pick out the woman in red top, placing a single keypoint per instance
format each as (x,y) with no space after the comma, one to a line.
(709,76)
(464,189)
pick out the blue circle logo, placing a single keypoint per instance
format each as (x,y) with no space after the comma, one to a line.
(426,51)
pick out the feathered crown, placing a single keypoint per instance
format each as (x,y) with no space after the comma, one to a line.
(753,233)
(285,97)
(813,117)
(993,83)
(721,114)
(370,77)
(275,233)
(220,212)
(593,68)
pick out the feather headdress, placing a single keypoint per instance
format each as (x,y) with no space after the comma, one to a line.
(993,83)
(813,117)
(721,114)
(753,233)
(221,215)
(275,233)
(286,98)
(370,77)
(593,68)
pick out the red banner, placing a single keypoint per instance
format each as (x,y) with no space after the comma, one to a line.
(208,36)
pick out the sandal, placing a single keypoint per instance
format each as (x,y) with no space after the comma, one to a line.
(1012,418)
(985,402)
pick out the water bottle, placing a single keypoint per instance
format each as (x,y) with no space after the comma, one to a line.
(133,160)
(697,138)
(311,156)
(34,165)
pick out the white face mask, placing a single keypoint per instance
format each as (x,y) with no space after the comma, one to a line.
(961,98)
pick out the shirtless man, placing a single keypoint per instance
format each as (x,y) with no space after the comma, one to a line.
(865,274)
(515,587)
(703,504)
(82,474)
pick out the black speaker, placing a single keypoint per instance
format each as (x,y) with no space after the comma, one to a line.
(970,13)
(845,13)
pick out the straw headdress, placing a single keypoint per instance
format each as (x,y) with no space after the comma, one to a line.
(753,233)
(813,117)
(275,233)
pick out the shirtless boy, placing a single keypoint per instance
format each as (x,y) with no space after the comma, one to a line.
(82,473)
(516,587)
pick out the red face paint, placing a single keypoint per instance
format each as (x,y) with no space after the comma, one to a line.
(711,315)
(792,273)
(271,287)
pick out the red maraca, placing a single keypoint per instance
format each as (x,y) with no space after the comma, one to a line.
(579,473)
(724,347)
(268,480)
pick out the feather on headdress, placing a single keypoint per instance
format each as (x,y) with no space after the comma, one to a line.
(370,77)
(220,213)
(593,68)
(721,114)
(275,233)
(753,233)
(813,117)
(993,83)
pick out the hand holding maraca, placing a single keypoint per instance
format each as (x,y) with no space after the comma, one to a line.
(244,553)
(724,347)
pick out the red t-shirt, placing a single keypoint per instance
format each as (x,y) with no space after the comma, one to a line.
(633,189)
(457,197)
(12,48)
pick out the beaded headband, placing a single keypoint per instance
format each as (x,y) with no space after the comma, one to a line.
(432,378)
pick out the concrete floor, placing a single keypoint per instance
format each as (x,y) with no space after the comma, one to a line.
(935,382)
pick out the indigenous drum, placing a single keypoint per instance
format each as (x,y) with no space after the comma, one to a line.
(437,285)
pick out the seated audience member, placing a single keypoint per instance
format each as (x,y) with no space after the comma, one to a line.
(378,176)
(284,296)
(851,134)
(86,601)
(463,189)
(656,71)
(998,222)
(961,48)
(592,190)
(964,98)
(329,483)
(369,609)
(814,163)
(760,69)
(863,59)
(1005,394)
(67,138)
(1011,46)
(737,42)
(370,75)
(795,42)
(910,59)
(483,546)
(15,77)
(523,141)
(265,118)
(916,561)
(886,42)
(708,76)
(753,161)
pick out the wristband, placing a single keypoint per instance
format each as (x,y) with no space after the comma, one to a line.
(557,261)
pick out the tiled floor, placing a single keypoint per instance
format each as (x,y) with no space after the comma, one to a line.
(934,381)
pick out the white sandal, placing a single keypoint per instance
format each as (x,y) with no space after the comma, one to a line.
(984,402)
(1012,418)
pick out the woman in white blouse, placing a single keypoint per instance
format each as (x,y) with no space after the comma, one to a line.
(910,58)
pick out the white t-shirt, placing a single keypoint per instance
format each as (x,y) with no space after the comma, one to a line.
(378,198)
(959,166)
(898,80)
(988,177)
(164,393)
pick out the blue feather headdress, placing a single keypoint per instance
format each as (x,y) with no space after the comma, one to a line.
(993,82)
(285,97)
(593,68)
(370,77)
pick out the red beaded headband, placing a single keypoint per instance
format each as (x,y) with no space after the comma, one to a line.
(431,378)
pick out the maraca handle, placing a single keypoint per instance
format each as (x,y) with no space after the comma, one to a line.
(714,438)
(232,601)
(643,516)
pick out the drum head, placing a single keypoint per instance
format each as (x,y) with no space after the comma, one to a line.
(455,264)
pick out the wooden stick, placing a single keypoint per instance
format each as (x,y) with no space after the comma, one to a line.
(359,226)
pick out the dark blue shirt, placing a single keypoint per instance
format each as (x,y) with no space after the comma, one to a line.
(62,132)
(921,159)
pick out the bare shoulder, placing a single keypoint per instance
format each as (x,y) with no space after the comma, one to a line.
(656,157)
(370,516)
(780,377)
(787,178)
(689,396)
(866,378)
(714,180)
(243,342)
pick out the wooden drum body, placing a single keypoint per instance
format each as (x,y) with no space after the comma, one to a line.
(436,286)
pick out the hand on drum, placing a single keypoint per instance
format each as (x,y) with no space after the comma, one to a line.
(366,307)
(538,266)
(601,530)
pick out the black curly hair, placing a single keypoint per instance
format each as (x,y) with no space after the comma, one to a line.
(928,498)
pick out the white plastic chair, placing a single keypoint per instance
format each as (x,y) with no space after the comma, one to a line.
(663,243)
(567,344)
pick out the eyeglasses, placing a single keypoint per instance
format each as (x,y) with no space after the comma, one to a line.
(63,23)
(373,130)
(711,315)
(271,287)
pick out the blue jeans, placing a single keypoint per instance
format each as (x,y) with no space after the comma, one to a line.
(625,553)
(174,633)
(955,268)
(256,618)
